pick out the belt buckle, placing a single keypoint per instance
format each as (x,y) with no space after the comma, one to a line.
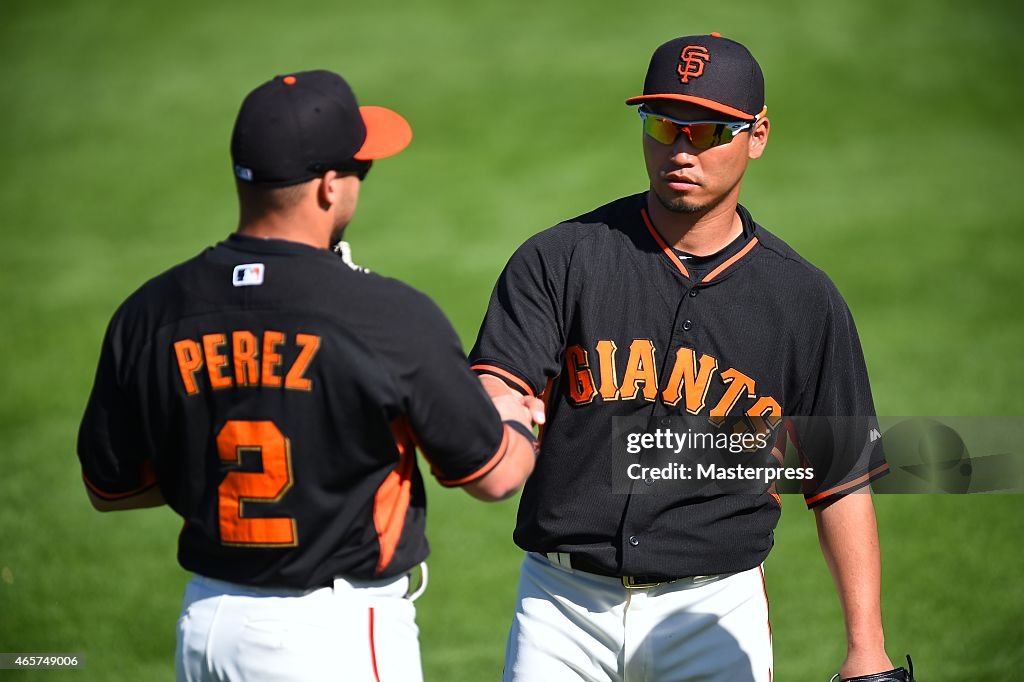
(630,583)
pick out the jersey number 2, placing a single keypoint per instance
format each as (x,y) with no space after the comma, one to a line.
(267,486)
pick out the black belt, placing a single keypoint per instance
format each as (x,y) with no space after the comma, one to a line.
(580,562)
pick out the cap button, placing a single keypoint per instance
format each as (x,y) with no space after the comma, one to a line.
(288,80)
(716,34)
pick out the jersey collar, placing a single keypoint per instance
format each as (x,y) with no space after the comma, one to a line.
(241,242)
(749,228)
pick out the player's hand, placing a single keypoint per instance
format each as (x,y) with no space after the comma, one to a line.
(512,404)
(514,407)
(536,408)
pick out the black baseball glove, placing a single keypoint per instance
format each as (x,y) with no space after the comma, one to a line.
(894,675)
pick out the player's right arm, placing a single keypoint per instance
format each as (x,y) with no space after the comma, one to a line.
(471,440)
(116,467)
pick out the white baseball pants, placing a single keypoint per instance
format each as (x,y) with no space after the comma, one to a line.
(571,625)
(363,631)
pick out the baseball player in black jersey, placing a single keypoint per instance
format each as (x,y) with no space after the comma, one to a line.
(676,302)
(273,394)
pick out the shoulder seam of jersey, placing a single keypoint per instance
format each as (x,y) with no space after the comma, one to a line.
(794,256)
(578,221)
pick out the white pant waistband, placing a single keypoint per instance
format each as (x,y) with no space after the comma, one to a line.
(408,586)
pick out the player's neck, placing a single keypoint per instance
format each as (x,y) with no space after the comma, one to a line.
(287,226)
(700,234)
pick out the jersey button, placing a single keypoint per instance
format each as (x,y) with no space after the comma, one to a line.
(649,481)
(634,540)
(693,292)
(688,325)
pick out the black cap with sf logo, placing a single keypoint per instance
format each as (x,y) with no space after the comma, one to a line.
(710,71)
(296,127)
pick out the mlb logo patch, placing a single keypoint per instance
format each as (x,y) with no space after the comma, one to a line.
(243,173)
(248,275)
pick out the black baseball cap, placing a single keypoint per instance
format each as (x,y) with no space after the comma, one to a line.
(295,127)
(710,71)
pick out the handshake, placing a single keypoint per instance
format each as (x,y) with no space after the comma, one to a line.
(520,413)
(512,405)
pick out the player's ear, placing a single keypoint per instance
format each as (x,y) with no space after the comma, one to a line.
(328,192)
(758,138)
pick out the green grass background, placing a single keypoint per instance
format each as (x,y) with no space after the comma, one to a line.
(894,163)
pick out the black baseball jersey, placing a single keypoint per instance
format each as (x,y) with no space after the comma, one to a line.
(604,319)
(277,395)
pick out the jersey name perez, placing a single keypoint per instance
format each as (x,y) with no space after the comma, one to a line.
(254,360)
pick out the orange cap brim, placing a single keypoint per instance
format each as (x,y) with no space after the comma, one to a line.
(387,133)
(700,101)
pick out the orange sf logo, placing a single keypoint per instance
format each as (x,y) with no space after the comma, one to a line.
(693,58)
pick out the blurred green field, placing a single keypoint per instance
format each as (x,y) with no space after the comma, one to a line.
(893,164)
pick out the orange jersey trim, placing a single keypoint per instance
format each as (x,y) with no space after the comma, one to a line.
(545,396)
(664,247)
(486,468)
(391,501)
(780,458)
(505,375)
(724,266)
(148,481)
(791,430)
(855,483)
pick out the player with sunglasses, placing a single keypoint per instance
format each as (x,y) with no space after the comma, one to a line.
(674,302)
(701,134)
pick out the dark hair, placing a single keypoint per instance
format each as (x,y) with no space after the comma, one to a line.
(260,199)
